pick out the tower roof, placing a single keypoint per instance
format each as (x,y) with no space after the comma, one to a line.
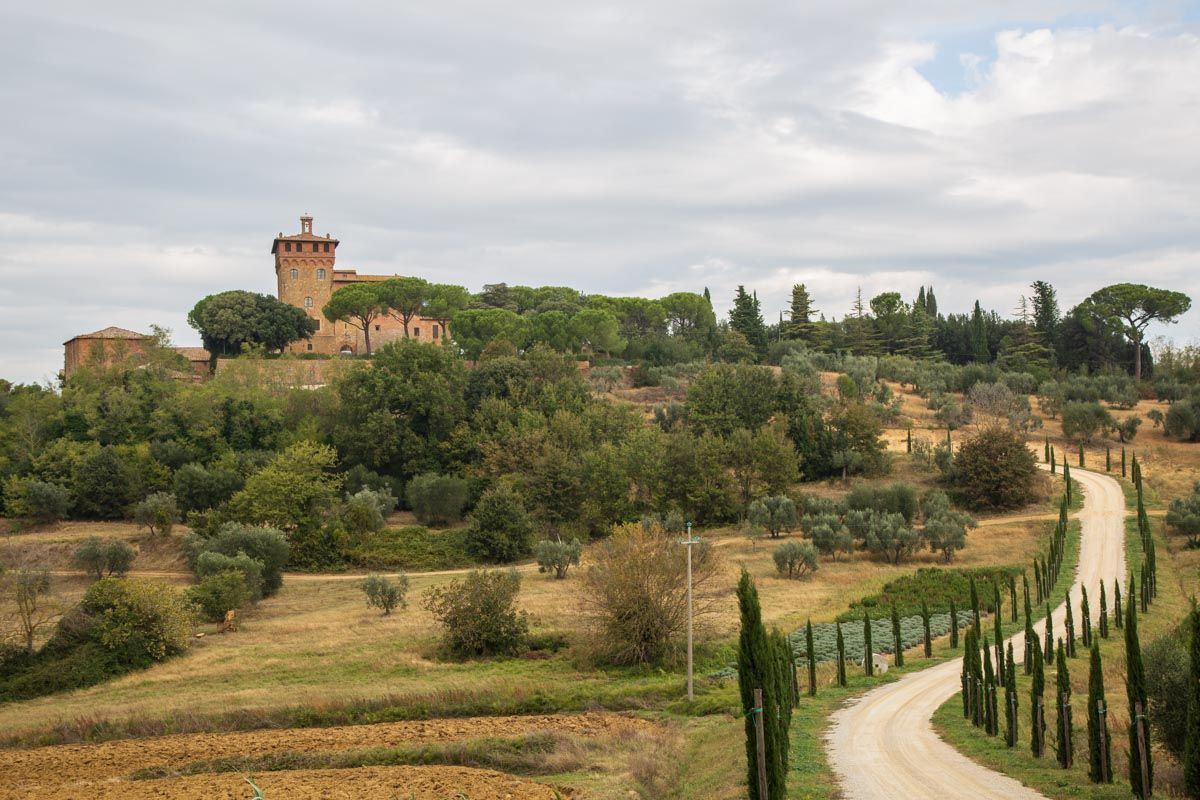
(305,235)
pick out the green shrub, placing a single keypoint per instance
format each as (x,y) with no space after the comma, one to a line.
(385,594)
(557,556)
(220,592)
(774,514)
(898,498)
(100,557)
(795,559)
(1082,421)
(500,527)
(213,563)
(139,621)
(1183,420)
(994,469)
(39,501)
(197,488)
(1166,664)
(412,548)
(365,512)
(478,614)
(265,545)
(437,499)
(158,513)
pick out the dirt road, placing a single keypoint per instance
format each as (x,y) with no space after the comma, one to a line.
(883,746)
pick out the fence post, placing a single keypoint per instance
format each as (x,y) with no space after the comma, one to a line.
(760,744)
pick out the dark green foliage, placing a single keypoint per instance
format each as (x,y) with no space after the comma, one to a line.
(219,592)
(412,548)
(500,528)
(198,488)
(1166,668)
(976,617)
(1010,700)
(104,485)
(1191,746)
(937,586)
(991,722)
(214,563)
(1103,616)
(267,546)
(868,648)
(385,593)
(230,320)
(1069,634)
(1099,740)
(1031,642)
(795,559)
(104,557)
(1037,710)
(898,642)
(437,499)
(1048,646)
(841,656)
(557,556)
(1135,691)
(1118,614)
(995,470)
(953,625)
(759,667)
(478,614)
(928,641)
(1064,748)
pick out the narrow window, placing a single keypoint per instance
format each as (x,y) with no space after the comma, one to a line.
(310,345)
(308,302)
(435,331)
(318,321)
(327,247)
(314,247)
(417,333)
(287,246)
(295,274)
(320,274)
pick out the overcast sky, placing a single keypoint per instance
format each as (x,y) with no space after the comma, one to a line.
(151,151)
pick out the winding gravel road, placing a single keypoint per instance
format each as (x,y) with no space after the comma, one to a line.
(883,746)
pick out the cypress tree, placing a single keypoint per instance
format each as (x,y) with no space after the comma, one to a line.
(1065,749)
(1135,691)
(1048,654)
(1070,629)
(898,641)
(1085,616)
(1103,612)
(990,723)
(1191,746)
(1081,455)
(925,625)
(868,648)
(841,657)
(909,445)
(1037,736)
(976,678)
(1143,597)
(977,623)
(1107,458)
(1067,480)
(1010,700)
(953,625)
(785,691)
(998,630)
(1046,456)
(1037,576)
(812,659)
(1122,462)
(965,676)
(1099,741)
(1117,619)
(1053,462)
(758,668)
(1031,643)
(1012,594)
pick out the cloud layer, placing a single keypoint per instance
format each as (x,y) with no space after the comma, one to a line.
(152,151)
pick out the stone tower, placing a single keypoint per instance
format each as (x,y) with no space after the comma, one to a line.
(304,275)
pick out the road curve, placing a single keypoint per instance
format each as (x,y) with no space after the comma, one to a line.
(882,746)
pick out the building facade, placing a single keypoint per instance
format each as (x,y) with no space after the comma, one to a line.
(113,346)
(306,276)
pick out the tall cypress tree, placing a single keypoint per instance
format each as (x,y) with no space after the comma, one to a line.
(1122,462)
(1069,636)
(1107,458)
(1048,654)
(1103,612)
(997,625)
(1191,746)
(812,659)
(1010,699)
(868,648)
(841,656)
(1046,457)
(965,676)
(1037,690)
(759,668)
(1099,741)
(1117,613)
(1065,749)
(990,723)
(1031,642)
(1012,594)
(1085,617)
(975,615)
(925,625)
(1135,691)
(1081,455)
(898,641)
(1037,576)
(746,318)
(953,625)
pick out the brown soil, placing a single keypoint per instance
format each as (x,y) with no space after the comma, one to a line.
(403,783)
(101,770)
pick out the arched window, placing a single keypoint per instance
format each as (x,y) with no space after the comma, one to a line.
(320,274)
(295,274)
(308,302)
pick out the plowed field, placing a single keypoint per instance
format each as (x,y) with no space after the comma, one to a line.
(102,770)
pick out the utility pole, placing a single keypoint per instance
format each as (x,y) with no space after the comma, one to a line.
(689,541)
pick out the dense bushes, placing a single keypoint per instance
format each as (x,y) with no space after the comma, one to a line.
(1183,516)
(266,546)
(437,499)
(99,557)
(995,470)
(938,586)
(500,528)
(478,614)
(1183,420)
(218,593)
(39,501)
(412,548)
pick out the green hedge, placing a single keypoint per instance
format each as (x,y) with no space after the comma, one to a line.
(414,548)
(937,586)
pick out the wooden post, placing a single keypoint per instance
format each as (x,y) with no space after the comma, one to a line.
(1139,719)
(760,744)
(1102,711)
